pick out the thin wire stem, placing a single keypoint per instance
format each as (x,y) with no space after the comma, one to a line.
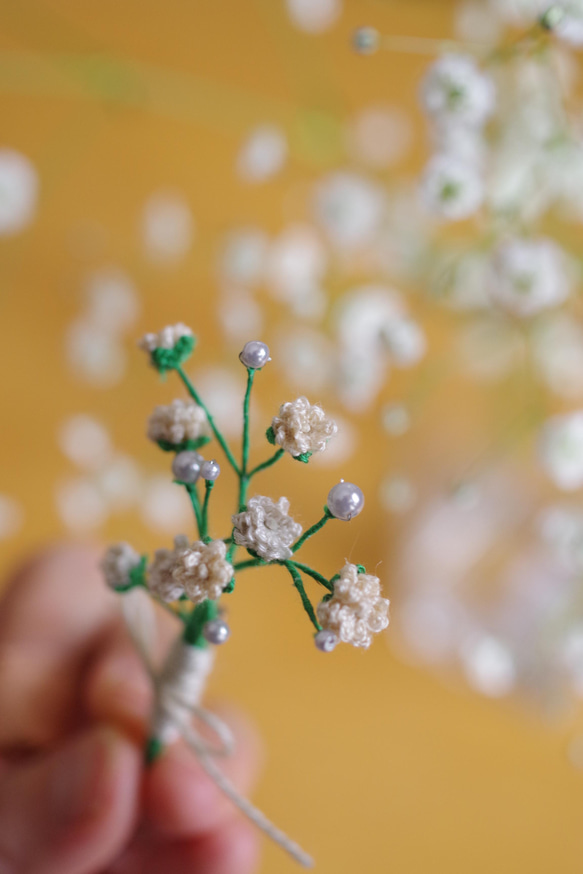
(193,495)
(208,487)
(313,530)
(219,437)
(252,562)
(267,463)
(243,476)
(314,574)
(307,604)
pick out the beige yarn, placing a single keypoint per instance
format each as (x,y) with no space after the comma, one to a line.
(160,579)
(167,338)
(356,610)
(177,422)
(117,563)
(266,528)
(302,427)
(203,571)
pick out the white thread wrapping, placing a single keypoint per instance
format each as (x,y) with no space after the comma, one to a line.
(179,688)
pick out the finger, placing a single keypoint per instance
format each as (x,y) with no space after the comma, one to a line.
(70,811)
(117,688)
(180,800)
(51,617)
(232,849)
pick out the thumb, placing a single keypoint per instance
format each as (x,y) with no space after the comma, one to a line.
(70,811)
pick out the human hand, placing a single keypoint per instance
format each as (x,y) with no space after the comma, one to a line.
(75,797)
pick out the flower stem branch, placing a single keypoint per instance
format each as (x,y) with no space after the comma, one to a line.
(307,604)
(313,530)
(219,437)
(208,487)
(314,574)
(275,457)
(193,495)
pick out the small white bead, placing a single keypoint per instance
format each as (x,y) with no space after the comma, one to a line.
(325,641)
(210,470)
(186,466)
(216,631)
(255,354)
(345,501)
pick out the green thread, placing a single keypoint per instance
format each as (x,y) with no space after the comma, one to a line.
(314,574)
(153,750)
(313,530)
(171,359)
(193,495)
(267,463)
(186,445)
(270,434)
(243,476)
(209,486)
(137,577)
(307,604)
(219,437)
(201,614)
(304,457)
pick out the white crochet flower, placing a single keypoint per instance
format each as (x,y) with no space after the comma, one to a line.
(202,570)
(356,610)
(266,528)
(160,577)
(451,188)
(177,422)
(561,450)
(302,427)
(529,275)
(456,91)
(167,338)
(117,563)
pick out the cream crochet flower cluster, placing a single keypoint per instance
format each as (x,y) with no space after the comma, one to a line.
(302,427)
(177,422)
(117,563)
(356,610)
(199,570)
(266,528)
(160,577)
(167,338)
(203,571)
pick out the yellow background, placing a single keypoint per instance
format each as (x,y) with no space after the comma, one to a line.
(373,765)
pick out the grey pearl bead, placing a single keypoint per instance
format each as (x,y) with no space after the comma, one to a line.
(186,466)
(365,40)
(325,641)
(345,501)
(210,470)
(255,354)
(216,631)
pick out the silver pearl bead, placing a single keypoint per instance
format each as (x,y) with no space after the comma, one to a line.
(255,354)
(325,641)
(345,501)
(186,466)
(209,470)
(216,631)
